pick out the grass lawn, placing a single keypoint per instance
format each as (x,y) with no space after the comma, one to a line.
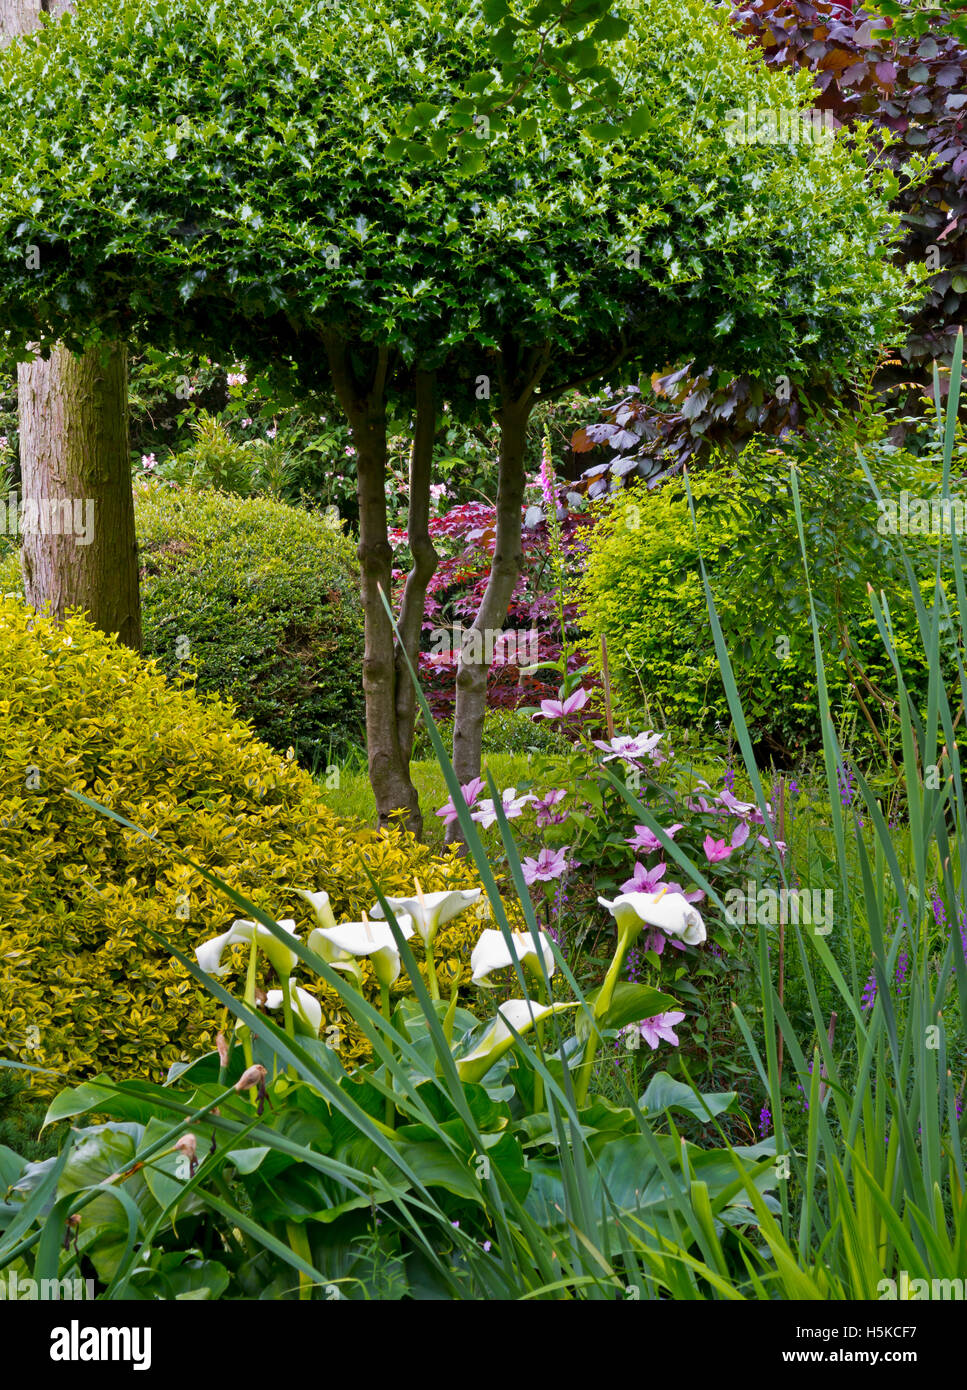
(354,796)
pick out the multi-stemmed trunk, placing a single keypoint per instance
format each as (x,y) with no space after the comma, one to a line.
(386,684)
(474,664)
(518,398)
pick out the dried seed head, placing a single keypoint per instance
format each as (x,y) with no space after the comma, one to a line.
(188,1144)
(222,1044)
(254,1076)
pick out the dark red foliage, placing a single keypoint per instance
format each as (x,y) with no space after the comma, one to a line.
(915,89)
(464,538)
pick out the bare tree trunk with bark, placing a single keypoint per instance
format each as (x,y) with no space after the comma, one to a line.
(79,546)
(364,404)
(517,394)
(79,549)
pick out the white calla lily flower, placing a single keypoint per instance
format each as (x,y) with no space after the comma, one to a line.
(280,957)
(306,1009)
(671,913)
(343,943)
(319,902)
(492,952)
(521,1015)
(429,911)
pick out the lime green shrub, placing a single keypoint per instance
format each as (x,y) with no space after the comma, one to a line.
(642,588)
(261,602)
(83,986)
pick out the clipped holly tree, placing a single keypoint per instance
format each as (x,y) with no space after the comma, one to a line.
(331,186)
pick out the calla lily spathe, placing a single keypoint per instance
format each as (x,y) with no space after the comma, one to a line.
(492,952)
(670,912)
(521,1015)
(306,1009)
(280,957)
(319,902)
(429,911)
(341,945)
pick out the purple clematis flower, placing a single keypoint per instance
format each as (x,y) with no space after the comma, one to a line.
(471,790)
(646,880)
(628,746)
(715,850)
(661,1028)
(546,815)
(513,805)
(560,709)
(549,865)
(647,841)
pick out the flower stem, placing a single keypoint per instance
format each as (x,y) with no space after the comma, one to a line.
(288,1021)
(249,999)
(386,1010)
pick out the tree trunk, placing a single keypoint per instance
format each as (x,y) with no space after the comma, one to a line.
(425,559)
(365,409)
(504,573)
(79,549)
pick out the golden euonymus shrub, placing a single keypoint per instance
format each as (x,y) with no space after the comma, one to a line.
(83,986)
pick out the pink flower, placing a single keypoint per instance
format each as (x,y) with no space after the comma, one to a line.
(471,790)
(655,941)
(560,709)
(3,441)
(237,378)
(546,815)
(740,834)
(148,461)
(349,451)
(513,805)
(661,1028)
(646,841)
(246,422)
(549,865)
(780,844)
(629,746)
(645,880)
(272,432)
(715,850)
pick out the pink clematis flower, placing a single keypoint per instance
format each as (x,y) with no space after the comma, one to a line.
(661,1028)
(628,746)
(647,841)
(647,880)
(513,805)
(546,815)
(471,790)
(549,865)
(561,709)
(715,850)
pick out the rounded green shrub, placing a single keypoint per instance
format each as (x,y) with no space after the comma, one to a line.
(85,986)
(642,589)
(259,602)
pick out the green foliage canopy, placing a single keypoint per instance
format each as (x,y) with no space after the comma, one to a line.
(202,173)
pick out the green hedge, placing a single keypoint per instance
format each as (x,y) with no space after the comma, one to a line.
(642,588)
(261,602)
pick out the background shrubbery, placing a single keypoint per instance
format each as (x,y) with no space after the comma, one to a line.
(643,590)
(267,597)
(80,895)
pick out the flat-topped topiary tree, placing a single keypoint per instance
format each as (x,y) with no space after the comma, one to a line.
(329,186)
